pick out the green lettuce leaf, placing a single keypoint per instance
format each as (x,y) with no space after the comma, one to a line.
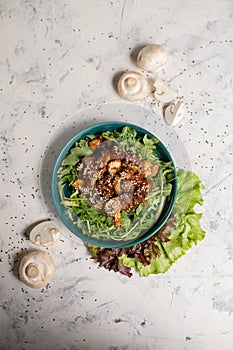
(189,193)
(187,232)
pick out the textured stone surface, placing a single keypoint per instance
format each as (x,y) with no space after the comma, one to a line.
(59,57)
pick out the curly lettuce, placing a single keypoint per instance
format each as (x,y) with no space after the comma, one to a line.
(157,254)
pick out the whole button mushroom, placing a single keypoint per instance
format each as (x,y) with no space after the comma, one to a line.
(152,57)
(36,269)
(133,86)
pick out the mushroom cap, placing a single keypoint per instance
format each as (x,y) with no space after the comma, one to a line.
(36,269)
(45,234)
(163,91)
(174,113)
(133,86)
(152,57)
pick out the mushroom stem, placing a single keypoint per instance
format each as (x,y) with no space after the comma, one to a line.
(32,271)
(45,234)
(131,82)
(36,269)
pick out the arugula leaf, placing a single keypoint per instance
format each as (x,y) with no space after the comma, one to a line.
(150,143)
(128,140)
(128,134)
(81,149)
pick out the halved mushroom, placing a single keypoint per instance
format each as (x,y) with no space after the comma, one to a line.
(44,234)
(36,269)
(133,86)
(174,113)
(152,57)
(163,91)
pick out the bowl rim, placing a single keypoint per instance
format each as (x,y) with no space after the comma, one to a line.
(56,198)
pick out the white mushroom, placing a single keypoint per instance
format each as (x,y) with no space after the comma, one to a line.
(152,57)
(45,234)
(174,113)
(133,86)
(36,269)
(163,91)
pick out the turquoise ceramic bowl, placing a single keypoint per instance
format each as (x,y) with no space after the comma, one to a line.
(162,153)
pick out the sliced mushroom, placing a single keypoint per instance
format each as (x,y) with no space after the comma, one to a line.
(45,234)
(133,86)
(152,57)
(163,91)
(36,269)
(174,113)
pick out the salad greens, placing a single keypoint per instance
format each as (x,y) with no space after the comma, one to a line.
(93,222)
(128,140)
(167,245)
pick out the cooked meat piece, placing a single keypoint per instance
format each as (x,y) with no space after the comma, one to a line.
(79,166)
(97,201)
(106,192)
(132,157)
(131,172)
(106,144)
(88,161)
(101,172)
(112,206)
(126,202)
(77,184)
(133,169)
(114,166)
(95,142)
(143,188)
(124,186)
(117,218)
(117,184)
(102,157)
(149,168)
(117,153)
(113,179)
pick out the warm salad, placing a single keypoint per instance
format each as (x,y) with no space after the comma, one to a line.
(114,185)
